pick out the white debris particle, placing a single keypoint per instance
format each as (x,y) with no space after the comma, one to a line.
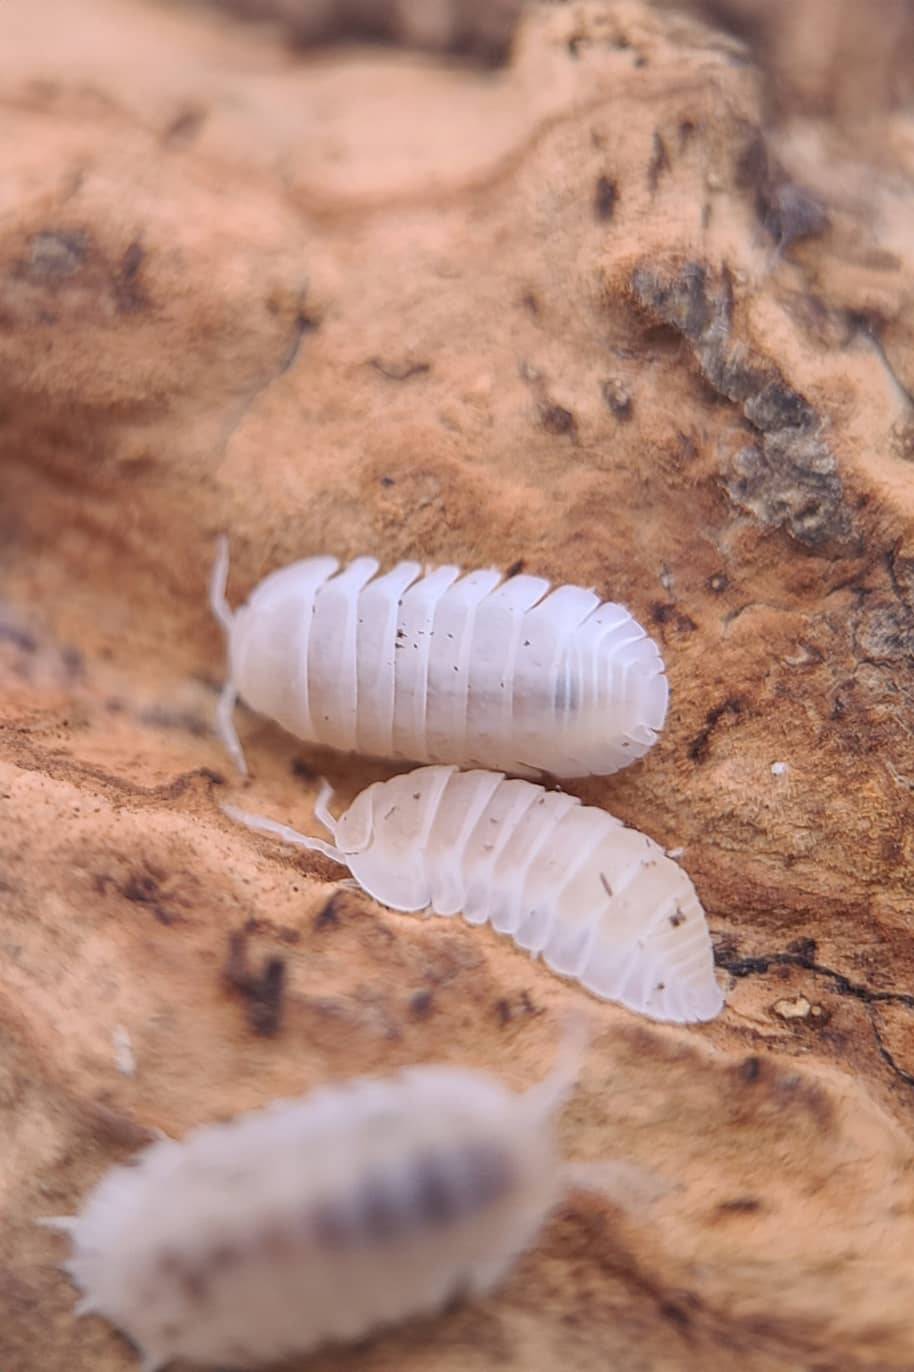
(798,1008)
(123,1051)
(675,853)
(779,769)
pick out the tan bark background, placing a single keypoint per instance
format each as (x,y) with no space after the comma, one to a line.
(576,310)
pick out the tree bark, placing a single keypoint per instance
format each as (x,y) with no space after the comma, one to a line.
(588,315)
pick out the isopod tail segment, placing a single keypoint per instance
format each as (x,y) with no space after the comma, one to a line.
(69,1224)
(225,710)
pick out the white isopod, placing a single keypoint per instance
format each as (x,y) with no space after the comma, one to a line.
(600,902)
(437,666)
(323,1218)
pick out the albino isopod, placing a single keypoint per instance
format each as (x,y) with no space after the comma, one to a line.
(600,902)
(324,1218)
(441,667)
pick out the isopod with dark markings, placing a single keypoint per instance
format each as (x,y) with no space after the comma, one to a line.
(322,1219)
(438,666)
(597,900)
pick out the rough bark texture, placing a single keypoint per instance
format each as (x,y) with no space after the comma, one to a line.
(481,29)
(576,314)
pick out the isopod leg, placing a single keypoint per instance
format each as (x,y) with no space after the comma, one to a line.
(624,1184)
(550,1095)
(322,807)
(225,726)
(218,582)
(61,1224)
(262,825)
(151,1362)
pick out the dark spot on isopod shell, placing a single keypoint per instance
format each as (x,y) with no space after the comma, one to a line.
(223,1255)
(677,919)
(379,1208)
(487,1171)
(436,1199)
(459,1181)
(332,1225)
(192,1282)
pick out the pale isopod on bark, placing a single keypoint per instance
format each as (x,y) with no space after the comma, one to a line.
(600,902)
(321,1219)
(439,666)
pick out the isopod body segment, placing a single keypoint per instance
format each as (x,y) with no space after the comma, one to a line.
(435,665)
(323,1218)
(598,901)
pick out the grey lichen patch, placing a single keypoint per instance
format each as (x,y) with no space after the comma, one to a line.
(789,477)
(884,632)
(786,210)
(53,256)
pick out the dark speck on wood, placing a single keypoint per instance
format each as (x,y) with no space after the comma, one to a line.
(604,198)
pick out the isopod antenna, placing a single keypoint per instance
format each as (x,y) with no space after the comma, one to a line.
(225,710)
(261,825)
